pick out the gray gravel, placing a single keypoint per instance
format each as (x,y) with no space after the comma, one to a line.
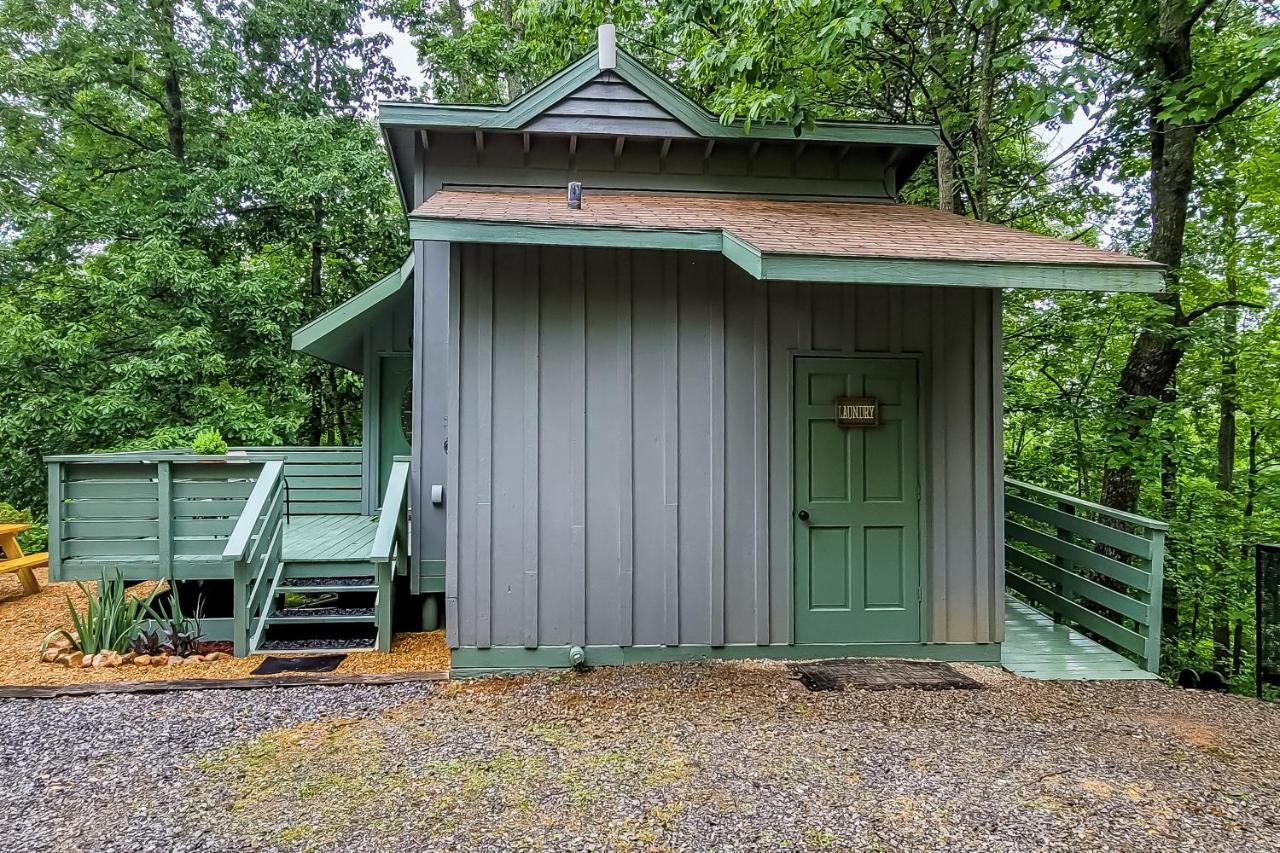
(112,773)
(687,757)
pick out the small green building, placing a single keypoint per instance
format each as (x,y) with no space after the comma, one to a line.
(665,388)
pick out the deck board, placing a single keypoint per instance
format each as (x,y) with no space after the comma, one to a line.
(329,538)
(1037,647)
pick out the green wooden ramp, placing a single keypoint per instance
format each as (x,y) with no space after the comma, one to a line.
(1037,647)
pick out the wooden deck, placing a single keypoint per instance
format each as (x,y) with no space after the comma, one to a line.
(328,538)
(1037,647)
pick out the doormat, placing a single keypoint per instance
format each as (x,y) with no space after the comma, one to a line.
(880,674)
(310,663)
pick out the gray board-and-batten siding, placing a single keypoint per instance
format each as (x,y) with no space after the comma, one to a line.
(619,457)
(427,161)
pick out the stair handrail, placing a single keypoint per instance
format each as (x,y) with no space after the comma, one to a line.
(1102,570)
(254,549)
(390,549)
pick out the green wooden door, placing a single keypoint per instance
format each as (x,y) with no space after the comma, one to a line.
(395,407)
(857,504)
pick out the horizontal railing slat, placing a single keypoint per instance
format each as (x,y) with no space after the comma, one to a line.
(208,508)
(110,528)
(111,490)
(1072,582)
(109,509)
(1089,529)
(1095,622)
(1092,560)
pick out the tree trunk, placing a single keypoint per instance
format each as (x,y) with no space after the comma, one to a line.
(1156,352)
(339,408)
(314,423)
(982,144)
(172,81)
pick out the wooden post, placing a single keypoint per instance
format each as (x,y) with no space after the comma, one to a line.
(383,615)
(1066,564)
(240,608)
(164,512)
(55,521)
(1155,600)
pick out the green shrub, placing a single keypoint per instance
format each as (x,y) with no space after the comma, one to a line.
(32,541)
(209,442)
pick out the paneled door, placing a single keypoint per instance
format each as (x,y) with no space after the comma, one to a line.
(857,501)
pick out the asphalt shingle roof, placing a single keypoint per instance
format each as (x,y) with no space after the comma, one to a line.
(811,228)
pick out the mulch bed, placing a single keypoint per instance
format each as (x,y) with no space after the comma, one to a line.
(26,619)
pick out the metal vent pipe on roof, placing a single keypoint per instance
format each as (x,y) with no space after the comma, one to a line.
(575,195)
(607,46)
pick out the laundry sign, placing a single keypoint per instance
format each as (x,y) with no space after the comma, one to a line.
(857,411)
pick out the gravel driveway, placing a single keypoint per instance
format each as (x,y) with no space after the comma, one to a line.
(688,757)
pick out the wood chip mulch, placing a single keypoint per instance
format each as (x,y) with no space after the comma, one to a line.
(26,619)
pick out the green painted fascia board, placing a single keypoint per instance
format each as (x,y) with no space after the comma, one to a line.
(510,116)
(472,661)
(475,231)
(329,334)
(936,273)
(528,106)
(1139,278)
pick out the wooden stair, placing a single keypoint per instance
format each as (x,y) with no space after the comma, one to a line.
(337,613)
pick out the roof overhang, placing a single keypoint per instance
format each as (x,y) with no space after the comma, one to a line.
(518,113)
(906,145)
(1096,270)
(337,336)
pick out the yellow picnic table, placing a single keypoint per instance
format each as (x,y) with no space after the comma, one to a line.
(18,562)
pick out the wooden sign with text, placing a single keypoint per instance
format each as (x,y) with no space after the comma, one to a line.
(857,411)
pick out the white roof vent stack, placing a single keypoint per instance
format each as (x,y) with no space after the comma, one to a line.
(607,49)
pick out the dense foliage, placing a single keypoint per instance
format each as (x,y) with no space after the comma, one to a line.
(183,183)
(181,186)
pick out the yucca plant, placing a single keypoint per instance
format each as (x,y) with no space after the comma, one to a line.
(112,617)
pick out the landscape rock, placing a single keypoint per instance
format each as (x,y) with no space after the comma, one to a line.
(142,660)
(174,660)
(75,660)
(99,660)
(128,657)
(49,656)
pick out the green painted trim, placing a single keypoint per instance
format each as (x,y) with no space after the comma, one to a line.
(536,234)
(471,661)
(330,336)
(520,112)
(1142,277)
(1139,278)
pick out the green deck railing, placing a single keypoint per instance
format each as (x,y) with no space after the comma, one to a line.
(253,551)
(1087,565)
(147,515)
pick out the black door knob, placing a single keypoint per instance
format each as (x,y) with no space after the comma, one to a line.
(804,515)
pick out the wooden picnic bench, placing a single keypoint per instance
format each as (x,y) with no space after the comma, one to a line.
(17,562)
